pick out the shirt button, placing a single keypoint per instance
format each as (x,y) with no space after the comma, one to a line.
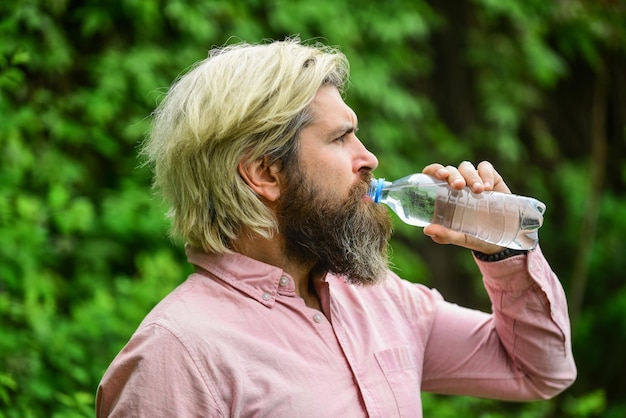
(266,296)
(284,281)
(318,318)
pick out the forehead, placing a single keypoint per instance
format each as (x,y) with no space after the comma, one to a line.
(330,112)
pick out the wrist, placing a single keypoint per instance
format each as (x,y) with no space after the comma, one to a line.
(504,254)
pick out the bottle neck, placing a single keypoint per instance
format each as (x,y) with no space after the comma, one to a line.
(376,189)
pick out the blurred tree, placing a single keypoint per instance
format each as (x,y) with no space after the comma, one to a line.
(536,87)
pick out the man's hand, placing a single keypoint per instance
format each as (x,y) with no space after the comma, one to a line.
(478,179)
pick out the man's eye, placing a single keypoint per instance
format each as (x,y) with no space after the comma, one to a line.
(341,139)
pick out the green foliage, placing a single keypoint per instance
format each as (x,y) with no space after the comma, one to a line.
(84,252)
(463,406)
(591,404)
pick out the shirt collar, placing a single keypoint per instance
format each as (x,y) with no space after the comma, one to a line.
(258,280)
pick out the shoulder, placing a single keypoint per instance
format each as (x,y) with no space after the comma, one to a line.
(156,375)
(159,372)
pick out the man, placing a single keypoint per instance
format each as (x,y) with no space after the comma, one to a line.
(291,310)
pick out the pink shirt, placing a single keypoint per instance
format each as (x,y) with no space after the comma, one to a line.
(234,340)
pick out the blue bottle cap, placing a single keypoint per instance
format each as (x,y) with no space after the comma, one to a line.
(377,184)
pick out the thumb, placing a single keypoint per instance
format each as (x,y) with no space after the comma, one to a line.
(442,235)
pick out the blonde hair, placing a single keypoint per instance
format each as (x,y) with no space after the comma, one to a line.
(243,102)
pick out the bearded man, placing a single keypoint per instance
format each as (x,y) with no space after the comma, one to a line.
(292,310)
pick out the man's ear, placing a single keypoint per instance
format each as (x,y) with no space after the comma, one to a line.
(262,176)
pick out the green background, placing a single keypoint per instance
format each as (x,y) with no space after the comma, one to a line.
(537,87)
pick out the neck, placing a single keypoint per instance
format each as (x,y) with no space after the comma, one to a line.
(271,251)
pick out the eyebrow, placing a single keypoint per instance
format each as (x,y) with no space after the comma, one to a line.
(346,128)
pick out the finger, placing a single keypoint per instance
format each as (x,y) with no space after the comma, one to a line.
(442,235)
(438,233)
(471,176)
(491,178)
(448,173)
(486,172)
(454,177)
(433,170)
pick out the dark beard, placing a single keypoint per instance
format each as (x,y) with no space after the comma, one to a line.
(348,238)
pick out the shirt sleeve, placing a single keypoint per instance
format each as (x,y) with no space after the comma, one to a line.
(155,376)
(521,351)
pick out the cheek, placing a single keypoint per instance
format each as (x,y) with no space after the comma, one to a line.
(337,161)
(321,168)
(330,167)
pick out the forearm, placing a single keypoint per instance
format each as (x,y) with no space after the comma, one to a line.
(520,352)
(531,319)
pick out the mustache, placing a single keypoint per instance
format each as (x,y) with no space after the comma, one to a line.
(362,187)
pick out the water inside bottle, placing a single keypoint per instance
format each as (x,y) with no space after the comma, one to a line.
(413,206)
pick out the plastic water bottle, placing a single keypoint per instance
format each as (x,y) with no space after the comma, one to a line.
(504,219)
